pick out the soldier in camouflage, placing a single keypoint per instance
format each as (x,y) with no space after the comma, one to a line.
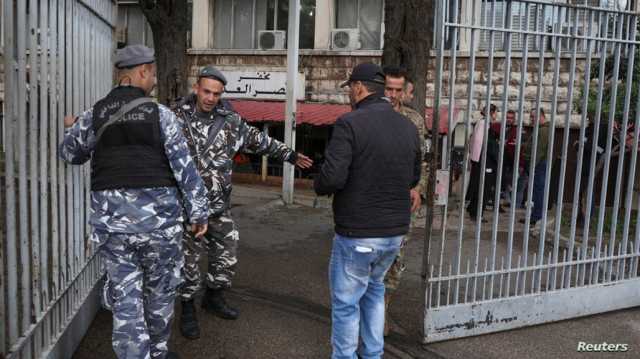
(215,134)
(138,207)
(396,86)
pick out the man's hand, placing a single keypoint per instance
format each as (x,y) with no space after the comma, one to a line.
(416,200)
(69,121)
(199,229)
(303,161)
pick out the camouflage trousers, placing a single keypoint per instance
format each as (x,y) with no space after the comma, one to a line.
(143,273)
(394,274)
(221,243)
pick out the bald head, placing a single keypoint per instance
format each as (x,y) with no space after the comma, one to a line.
(142,76)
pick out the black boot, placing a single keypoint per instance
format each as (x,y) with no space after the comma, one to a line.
(188,321)
(214,303)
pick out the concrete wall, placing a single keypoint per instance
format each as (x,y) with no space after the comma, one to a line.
(513,84)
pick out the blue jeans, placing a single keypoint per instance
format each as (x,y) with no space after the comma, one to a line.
(356,273)
(522,184)
(538,190)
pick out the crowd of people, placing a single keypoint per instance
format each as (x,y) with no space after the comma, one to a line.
(490,148)
(160,196)
(525,165)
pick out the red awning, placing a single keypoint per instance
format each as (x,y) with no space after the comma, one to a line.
(317,114)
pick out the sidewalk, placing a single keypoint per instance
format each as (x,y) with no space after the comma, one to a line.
(282,291)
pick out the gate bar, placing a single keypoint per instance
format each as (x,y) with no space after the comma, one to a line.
(33,261)
(451,125)
(53,166)
(498,176)
(516,166)
(581,144)
(634,155)
(565,148)
(22,170)
(483,166)
(10,115)
(596,136)
(465,165)
(607,161)
(621,154)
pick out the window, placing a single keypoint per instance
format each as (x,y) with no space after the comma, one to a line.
(307,23)
(237,22)
(540,18)
(519,21)
(365,15)
(132,27)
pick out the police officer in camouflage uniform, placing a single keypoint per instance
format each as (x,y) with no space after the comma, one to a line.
(396,86)
(215,134)
(142,181)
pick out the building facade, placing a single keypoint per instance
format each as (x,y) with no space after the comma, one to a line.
(246,39)
(243,37)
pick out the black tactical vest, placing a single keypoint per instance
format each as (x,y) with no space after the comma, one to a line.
(130,153)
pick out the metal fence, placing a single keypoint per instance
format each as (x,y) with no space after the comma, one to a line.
(57,57)
(499,275)
(527,17)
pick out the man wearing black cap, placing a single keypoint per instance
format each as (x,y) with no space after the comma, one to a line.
(215,134)
(372,162)
(142,176)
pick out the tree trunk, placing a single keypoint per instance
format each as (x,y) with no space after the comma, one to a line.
(169,22)
(407,41)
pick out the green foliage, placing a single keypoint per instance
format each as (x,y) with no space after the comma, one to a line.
(609,86)
(607,225)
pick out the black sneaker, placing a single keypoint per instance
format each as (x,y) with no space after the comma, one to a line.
(215,303)
(189,327)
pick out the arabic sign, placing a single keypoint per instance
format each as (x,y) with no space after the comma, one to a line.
(270,85)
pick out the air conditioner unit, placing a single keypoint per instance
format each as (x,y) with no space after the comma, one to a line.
(272,40)
(345,39)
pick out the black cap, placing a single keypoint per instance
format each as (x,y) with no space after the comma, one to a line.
(211,72)
(365,72)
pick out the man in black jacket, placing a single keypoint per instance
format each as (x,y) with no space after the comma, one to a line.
(372,162)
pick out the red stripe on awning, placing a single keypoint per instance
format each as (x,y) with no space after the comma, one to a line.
(317,114)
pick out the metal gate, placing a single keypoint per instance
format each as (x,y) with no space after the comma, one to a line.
(57,61)
(574,61)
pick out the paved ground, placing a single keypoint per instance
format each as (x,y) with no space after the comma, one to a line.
(281,289)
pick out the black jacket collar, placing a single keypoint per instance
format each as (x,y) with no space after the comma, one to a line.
(129,90)
(370,100)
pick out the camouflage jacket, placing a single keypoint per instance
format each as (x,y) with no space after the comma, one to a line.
(214,152)
(146,209)
(418,120)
